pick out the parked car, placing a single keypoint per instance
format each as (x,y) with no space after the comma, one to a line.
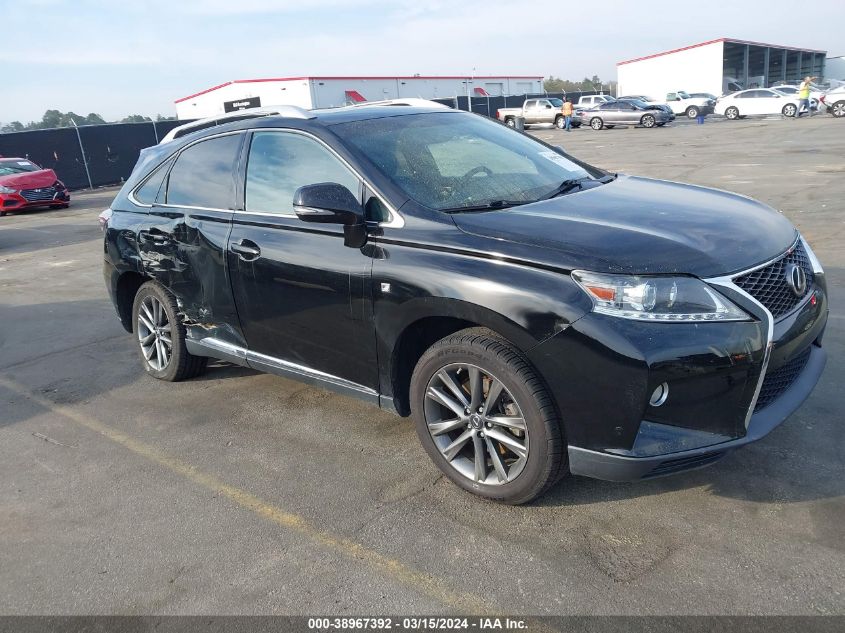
(792,91)
(652,102)
(756,101)
(24,185)
(535,111)
(535,315)
(834,101)
(624,112)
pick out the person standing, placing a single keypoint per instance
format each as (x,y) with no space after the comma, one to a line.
(567,114)
(804,96)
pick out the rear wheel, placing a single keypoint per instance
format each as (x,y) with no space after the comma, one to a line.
(838,109)
(596,123)
(732,113)
(161,336)
(648,120)
(789,110)
(485,418)
(692,112)
(510,122)
(559,122)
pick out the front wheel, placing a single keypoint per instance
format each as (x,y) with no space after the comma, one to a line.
(485,418)
(559,122)
(732,113)
(648,120)
(161,336)
(838,109)
(596,123)
(692,112)
(789,110)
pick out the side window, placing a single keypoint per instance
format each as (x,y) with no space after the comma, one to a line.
(609,105)
(282,162)
(203,175)
(530,103)
(671,96)
(149,192)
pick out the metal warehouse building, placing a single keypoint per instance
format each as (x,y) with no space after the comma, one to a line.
(326,92)
(718,66)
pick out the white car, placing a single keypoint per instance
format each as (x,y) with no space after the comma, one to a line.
(834,100)
(757,101)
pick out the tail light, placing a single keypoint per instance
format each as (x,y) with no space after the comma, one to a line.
(498,116)
(103,219)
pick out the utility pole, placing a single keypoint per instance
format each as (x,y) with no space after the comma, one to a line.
(82,151)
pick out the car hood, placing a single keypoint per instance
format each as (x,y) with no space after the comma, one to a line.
(640,225)
(30,179)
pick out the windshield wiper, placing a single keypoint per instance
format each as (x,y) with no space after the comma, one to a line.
(565,187)
(489,206)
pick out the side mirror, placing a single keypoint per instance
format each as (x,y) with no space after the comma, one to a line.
(332,203)
(548,107)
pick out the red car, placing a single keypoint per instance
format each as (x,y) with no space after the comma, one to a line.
(23,184)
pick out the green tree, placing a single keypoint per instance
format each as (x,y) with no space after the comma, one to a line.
(14,126)
(136,118)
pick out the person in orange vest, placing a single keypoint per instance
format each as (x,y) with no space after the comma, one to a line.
(566,109)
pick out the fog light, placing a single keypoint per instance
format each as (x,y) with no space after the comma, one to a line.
(659,395)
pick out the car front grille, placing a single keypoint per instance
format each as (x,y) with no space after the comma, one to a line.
(769,285)
(780,379)
(36,195)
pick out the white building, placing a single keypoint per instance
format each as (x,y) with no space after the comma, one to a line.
(717,66)
(326,92)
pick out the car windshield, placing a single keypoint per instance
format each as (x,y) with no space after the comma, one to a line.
(449,160)
(9,167)
(683,95)
(556,102)
(637,102)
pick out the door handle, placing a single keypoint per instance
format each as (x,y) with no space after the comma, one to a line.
(155,236)
(246,250)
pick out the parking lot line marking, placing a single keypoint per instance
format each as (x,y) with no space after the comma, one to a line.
(431,586)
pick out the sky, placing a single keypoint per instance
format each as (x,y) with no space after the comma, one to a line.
(120,58)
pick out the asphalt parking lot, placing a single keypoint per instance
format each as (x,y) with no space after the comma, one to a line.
(244,493)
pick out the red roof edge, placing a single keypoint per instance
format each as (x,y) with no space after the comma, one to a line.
(207,90)
(716,41)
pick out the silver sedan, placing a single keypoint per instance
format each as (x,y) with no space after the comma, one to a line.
(624,112)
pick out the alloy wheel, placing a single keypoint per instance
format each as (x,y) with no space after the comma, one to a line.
(596,123)
(732,113)
(648,121)
(154,333)
(789,110)
(839,109)
(476,424)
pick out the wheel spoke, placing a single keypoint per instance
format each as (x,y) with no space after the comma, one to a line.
(148,338)
(148,351)
(511,422)
(159,355)
(439,428)
(480,458)
(446,401)
(493,394)
(146,310)
(166,340)
(476,388)
(166,327)
(509,441)
(449,382)
(501,471)
(451,451)
(146,323)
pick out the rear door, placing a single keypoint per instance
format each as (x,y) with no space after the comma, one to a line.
(182,241)
(302,296)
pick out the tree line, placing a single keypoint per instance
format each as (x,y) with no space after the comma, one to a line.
(556,84)
(56,118)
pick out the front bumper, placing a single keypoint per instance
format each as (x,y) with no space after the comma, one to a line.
(614,467)
(13,201)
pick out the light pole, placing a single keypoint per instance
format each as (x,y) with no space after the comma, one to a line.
(82,151)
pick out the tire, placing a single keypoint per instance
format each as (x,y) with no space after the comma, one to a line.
(2,213)
(532,457)
(559,122)
(732,113)
(692,112)
(596,123)
(789,110)
(153,299)
(838,109)
(510,122)
(648,120)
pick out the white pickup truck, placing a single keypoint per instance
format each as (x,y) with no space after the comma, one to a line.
(541,110)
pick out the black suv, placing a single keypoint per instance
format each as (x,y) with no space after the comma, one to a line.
(534,314)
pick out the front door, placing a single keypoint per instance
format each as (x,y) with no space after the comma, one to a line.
(302,296)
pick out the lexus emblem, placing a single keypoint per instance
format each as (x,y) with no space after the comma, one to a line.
(796,278)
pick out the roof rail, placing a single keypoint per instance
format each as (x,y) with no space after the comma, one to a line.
(288,111)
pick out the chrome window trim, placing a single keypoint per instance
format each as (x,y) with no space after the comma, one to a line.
(395,221)
(175,157)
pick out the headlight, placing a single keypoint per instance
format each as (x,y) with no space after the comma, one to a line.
(657,298)
(7,189)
